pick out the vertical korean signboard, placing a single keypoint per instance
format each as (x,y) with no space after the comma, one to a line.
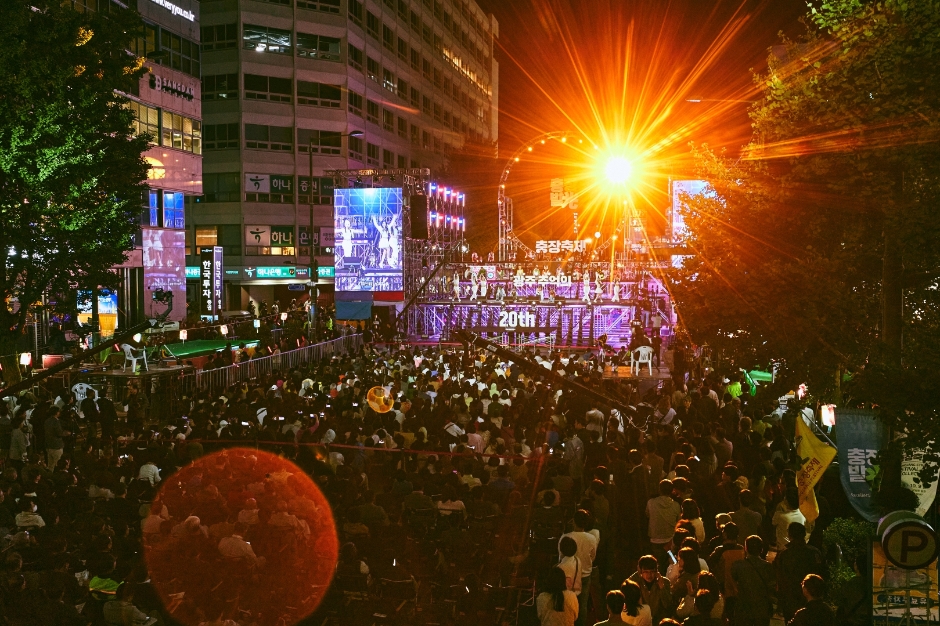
(210,285)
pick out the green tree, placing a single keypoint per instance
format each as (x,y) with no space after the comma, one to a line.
(819,246)
(71,169)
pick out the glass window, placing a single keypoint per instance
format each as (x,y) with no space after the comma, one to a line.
(207,236)
(147,120)
(388,81)
(221,136)
(266,39)
(267,88)
(319,141)
(220,87)
(324,6)
(319,94)
(373,24)
(372,154)
(388,159)
(318,47)
(372,112)
(355,148)
(355,103)
(388,120)
(355,11)
(221,187)
(181,132)
(388,38)
(173,216)
(219,37)
(373,69)
(355,56)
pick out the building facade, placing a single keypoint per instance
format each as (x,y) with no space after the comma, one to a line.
(168,106)
(375,84)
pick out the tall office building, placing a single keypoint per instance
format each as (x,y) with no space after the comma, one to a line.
(415,79)
(168,106)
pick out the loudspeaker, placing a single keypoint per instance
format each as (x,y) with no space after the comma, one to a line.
(419,217)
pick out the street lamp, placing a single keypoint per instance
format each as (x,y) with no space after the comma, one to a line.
(312,264)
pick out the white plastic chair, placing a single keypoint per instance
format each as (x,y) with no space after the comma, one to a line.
(644,354)
(129,355)
(81,392)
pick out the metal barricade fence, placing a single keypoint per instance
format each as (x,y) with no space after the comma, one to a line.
(224,377)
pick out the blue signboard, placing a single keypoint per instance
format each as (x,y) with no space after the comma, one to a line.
(368,252)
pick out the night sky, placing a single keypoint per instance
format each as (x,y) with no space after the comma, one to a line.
(618,73)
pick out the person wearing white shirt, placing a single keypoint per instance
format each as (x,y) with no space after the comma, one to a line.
(586,539)
(149,471)
(634,611)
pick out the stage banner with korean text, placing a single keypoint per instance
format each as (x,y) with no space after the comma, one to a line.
(815,457)
(861,435)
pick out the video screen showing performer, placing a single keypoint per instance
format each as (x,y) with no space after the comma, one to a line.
(368,246)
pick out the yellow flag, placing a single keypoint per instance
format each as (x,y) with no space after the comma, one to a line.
(815,457)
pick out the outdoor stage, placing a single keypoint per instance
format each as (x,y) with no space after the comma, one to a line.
(531,322)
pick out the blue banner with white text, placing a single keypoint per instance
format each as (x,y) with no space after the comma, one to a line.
(860,436)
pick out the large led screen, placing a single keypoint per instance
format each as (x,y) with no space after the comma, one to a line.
(165,268)
(368,250)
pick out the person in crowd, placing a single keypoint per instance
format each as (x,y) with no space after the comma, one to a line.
(556,605)
(586,542)
(816,612)
(655,588)
(745,518)
(465,429)
(635,610)
(790,514)
(663,513)
(792,566)
(754,579)
(692,515)
(615,603)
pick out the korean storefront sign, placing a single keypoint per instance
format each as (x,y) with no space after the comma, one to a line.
(210,286)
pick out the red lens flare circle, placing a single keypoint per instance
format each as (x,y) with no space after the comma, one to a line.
(244,535)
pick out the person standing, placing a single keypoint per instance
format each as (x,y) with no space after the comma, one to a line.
(754,578)
(663,513)
(587,550)
(655,588)
(816,612)
(556,606)
(793,565)
(19,443)
(55,438)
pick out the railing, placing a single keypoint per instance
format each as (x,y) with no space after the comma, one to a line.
(224,377)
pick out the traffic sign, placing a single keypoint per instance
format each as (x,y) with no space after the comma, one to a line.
(296,287)
(908,541)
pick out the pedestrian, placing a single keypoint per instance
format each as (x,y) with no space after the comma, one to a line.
(816,612)
(556,606)
(657,591)
(663,513)
(754,578)
(55,434)
(792,566)
(635,611)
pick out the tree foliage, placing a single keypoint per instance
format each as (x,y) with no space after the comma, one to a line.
(790,249)
(71,170)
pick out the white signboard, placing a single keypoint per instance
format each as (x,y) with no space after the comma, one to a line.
(258,235)
(257,183)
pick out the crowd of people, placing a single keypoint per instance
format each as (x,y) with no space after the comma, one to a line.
(444,468)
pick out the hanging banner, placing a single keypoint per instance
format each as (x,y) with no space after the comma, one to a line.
(861,436)
(210,290)
(815,457)
(911,466)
